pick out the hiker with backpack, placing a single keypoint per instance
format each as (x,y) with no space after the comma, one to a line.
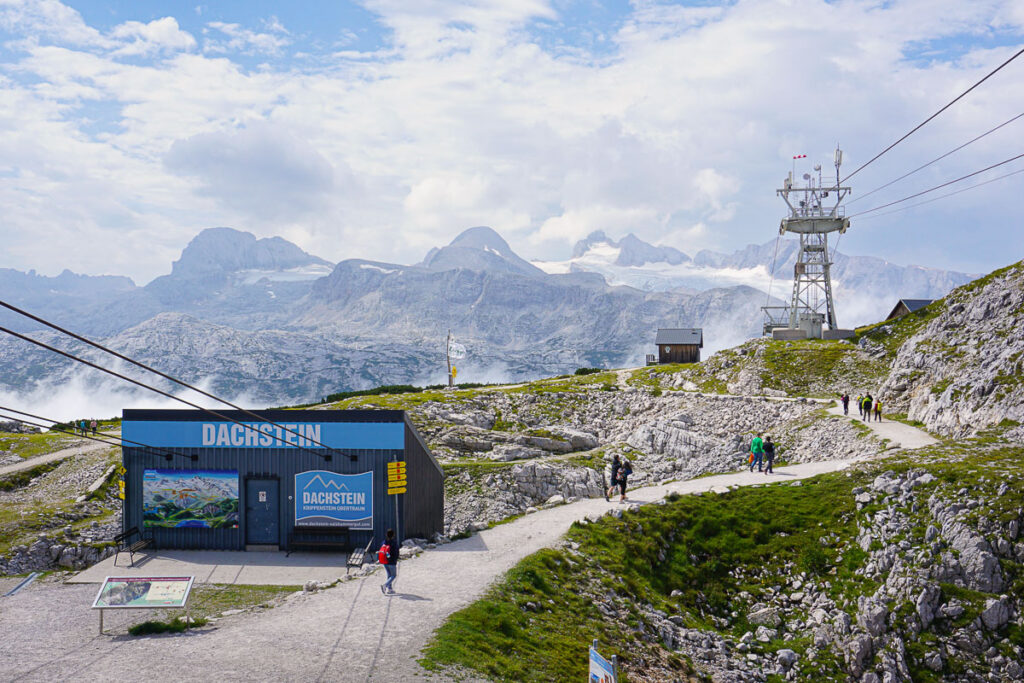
(624,471)
(388,556)
(769,454)
(756,452)
(846,404)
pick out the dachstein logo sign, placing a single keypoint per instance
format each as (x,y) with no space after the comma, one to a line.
(332,499)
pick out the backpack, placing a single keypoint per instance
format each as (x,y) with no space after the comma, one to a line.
(627,468)
(382,554)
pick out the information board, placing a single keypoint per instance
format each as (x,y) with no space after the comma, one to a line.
(601,670)
(143,591)
(205,499)
(330,499)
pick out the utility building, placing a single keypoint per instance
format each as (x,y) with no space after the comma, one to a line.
(679,345)
(292,478)
(904,306)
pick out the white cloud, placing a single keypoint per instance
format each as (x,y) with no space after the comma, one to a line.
(682,132)
(157,36)
(223,37)
(259,170)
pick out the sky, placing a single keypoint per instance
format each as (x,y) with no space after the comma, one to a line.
(379,129)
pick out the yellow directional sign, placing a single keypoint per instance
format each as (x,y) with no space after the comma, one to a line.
(396,467)
(398,481)
(392,492)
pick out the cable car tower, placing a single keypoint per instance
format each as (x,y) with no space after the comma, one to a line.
(814,212)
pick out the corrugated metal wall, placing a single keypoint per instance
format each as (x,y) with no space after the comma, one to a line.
(425,499)
(418,513)
(257,463)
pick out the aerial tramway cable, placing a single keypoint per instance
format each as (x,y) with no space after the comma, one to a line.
(53,427)
(139,364)
(949,194)
(176,398)
(919,168)
(937,187)
(921,125)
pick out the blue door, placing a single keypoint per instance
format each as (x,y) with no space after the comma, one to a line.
(262,514)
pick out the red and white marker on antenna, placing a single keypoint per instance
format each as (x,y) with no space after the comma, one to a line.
(800,156)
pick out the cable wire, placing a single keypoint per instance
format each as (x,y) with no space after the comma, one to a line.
(921,125)
(53,427)
(957,149)
(772,280)
(168,395)
(950,194)
(938,187)
(125,358)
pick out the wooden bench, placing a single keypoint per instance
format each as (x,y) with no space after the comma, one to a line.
(312,537)
(126,544)
(357,558)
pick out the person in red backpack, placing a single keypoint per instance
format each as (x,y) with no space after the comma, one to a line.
(388,556)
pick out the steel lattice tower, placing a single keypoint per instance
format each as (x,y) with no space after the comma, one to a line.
(809,217)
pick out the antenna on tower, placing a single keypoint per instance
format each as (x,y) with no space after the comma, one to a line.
(811,306)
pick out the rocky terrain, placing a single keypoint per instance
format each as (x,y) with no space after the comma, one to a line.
(59,515)
(307,328)
(961,367)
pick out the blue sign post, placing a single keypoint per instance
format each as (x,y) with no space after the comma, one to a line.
(330,499)
(601,670)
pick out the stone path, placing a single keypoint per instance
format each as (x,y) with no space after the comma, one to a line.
(348,633)
(80,448)
(898,434)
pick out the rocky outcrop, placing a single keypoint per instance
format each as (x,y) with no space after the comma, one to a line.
(963,370)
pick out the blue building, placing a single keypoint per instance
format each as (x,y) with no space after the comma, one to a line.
(300,477)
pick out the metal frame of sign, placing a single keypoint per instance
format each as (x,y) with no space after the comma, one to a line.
(184,599)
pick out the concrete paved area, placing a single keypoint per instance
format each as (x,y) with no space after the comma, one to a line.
(897,433)
(347,633)
(223,566)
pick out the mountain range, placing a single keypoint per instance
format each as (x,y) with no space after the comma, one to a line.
(264,319)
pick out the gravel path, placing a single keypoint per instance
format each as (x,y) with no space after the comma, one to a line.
(78,449)
(348,633)
(898,434)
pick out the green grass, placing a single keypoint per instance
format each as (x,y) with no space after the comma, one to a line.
(31,445)
(175,625)
(16,480)
(702,538)
(211,600)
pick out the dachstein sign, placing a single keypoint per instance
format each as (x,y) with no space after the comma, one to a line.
(332,499)
(217,434)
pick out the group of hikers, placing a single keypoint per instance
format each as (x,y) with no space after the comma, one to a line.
(762,454)
(83,427)
(865,404)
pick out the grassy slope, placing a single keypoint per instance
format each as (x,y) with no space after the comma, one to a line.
(42,499)
(31,445)
(714,548)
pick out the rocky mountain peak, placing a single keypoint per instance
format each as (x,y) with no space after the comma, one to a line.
(629,251)
(224,250)
(481,249)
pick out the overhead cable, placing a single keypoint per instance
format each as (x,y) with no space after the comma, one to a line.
(169,395)
(921,125)
(957,149)
(949,194)
(53,427)
(938,187)
(136,363)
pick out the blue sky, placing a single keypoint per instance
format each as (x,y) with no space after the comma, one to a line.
(379,129)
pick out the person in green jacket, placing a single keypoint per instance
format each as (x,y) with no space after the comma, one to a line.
(757,449)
